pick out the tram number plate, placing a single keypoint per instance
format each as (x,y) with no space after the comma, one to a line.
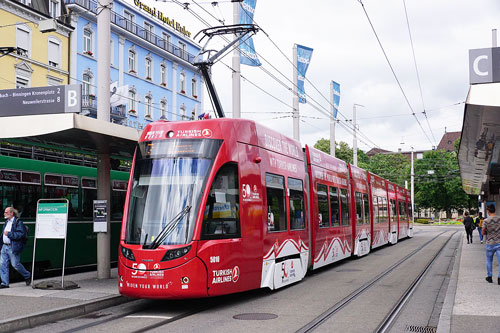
(214,259)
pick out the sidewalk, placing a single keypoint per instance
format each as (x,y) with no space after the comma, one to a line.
(24,307)
(471,304)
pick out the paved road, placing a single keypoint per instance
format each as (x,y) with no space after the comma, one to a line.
(297,305)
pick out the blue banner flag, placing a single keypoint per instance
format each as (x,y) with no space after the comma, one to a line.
(247,50)
(336,98)
(304,55)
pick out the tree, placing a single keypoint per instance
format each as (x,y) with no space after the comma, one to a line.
(394,167)
(343,152)
(438,184)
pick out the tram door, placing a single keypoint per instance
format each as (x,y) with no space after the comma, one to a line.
(228,239)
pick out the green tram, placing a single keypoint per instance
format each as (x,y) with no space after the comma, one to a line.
(23,181)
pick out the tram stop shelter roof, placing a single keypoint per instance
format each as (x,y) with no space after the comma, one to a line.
(479,153)
(73,131)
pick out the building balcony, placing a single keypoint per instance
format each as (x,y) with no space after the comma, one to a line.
(117,114)
(137,30)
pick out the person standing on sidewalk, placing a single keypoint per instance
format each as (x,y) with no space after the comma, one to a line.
(479,226)
(469,224)
(12,241)
(491,229)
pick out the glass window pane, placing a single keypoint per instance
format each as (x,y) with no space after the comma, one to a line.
(296,202)
(366,208)
(22,197)
(221,218)
(60,192)
(344,206)
(376,207)
(323,211)
(275,190)
(359,207)
(334,207)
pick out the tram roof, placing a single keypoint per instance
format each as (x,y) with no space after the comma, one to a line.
(72,131)
(479,151)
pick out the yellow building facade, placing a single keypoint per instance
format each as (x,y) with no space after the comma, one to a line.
(41,58)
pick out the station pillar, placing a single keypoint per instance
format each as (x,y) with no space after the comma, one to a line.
(104,238)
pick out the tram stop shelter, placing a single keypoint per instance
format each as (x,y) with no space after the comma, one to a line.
(81,133)
(479,153)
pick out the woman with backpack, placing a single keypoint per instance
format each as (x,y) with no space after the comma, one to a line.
(469,226)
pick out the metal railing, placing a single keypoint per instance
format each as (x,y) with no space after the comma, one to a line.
(137,30)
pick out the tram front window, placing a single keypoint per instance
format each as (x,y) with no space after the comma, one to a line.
(167,185)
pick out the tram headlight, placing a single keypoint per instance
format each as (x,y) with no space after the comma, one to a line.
(176,253)
(127,253)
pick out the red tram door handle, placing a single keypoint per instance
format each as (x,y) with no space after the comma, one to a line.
(257,159)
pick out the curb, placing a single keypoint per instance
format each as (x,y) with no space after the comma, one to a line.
(44,317)
(444,324)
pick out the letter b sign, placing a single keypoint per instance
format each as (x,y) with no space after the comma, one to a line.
(73,97)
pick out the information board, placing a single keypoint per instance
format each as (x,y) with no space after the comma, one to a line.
(100,216)
(51,220)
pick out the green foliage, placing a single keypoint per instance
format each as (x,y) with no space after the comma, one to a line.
(422,221)
(394,167)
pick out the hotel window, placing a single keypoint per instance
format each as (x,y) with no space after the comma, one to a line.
(148,104)
(23,36)
(111,52)
(22,82)
(54,8)
(182,83)
(182,113)
(167,41)
(54,52)
(86,82)
(163,75)
(183,49)
(163,109)
(149,68)
(194,91)
(87,41)
(131,97)
(129,21)
(131,61)
(148,31)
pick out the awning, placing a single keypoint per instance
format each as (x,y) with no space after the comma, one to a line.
(73,131)
(478,155)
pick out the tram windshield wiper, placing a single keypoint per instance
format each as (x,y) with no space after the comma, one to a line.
(168,229)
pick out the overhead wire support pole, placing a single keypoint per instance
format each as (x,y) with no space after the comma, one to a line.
(242,30)
(236,111)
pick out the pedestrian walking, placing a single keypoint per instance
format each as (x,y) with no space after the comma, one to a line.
(469,226)
(13,239)
(479,226)
(491,229)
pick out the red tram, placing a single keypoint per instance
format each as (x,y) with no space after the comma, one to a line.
(226,205)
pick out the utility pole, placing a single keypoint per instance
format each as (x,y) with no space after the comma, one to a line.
(236,68)
(103,161)
(332,122)
(295,113)
(412,186)
(354,134)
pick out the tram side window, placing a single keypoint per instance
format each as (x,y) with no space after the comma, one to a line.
(66,188)
(366,207)
(275,191)
(344,207)
(359,207)
(322,206)
(410,211)
(375,205)
(221,218)
(22,197)
(334,207)
(384,212)
(393,210)
(296,202)
(400,211)
(89,194)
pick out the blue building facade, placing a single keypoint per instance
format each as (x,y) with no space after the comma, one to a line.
(151,63)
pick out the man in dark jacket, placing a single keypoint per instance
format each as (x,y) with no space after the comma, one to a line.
(469,224)
(12,241)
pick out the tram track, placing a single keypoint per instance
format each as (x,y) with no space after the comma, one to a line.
(386,322)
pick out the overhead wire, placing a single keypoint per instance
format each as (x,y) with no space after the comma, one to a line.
(392,70)
(416,70)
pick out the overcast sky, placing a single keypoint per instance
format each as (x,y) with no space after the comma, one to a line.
(346,50)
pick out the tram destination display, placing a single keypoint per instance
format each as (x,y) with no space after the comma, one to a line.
(40,100)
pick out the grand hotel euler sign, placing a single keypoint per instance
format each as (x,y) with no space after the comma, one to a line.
(165,19)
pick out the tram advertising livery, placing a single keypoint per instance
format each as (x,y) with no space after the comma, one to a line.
(226,205)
